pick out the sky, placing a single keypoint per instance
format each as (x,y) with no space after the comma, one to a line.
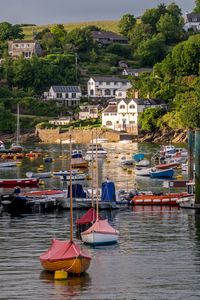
(66,11)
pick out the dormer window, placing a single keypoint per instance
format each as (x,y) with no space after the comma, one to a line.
(194,20)
(132,106)
(122,106)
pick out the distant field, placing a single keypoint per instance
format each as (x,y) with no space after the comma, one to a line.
(106,25)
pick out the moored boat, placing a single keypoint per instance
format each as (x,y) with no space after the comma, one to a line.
(19,182)
(168,173)
(154,199)
(38,175)
(167,165)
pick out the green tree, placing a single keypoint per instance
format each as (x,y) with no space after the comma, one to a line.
(126,23)
(197,6)
(149,119)
(139,33)
(9,31)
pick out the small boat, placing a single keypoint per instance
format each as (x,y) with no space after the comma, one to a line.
(143,163)
(56,194)
(8,164)
(66,255)
(154,199)
(78,161)
(19,182)
(138,157)
(48,159)
(143,171)
(99,140)
(33,154)
(126,162)
(167,165)
(168,173)
(67,141)
(38,175)
(188,200)
(100,150)
(2,146)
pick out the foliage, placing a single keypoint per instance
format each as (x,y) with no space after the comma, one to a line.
(149,118)
(197,6)
(126,23)
(9,31)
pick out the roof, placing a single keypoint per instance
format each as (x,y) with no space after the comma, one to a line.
(111,108)
(109,79)
(193,17)
(151,101)
(139,70)
(66,89)
(23,41)
(101,34)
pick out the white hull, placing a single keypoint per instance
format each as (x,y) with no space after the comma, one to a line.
(143,172)
(186,202)
(85,203)
(97,238)
(8,164)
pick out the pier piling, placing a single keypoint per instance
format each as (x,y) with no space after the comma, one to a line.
(197,166)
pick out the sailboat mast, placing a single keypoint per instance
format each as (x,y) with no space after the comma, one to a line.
(17,137)
(70,189)
(92,171)
(97,185)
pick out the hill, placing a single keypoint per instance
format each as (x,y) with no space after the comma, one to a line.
(106,25)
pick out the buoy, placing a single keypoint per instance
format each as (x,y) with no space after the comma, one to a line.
(41,182)
(179,176)
(88,177)
(107,161)
(41,166)
(129,171)
(116,156)
(125,169)
(60,275)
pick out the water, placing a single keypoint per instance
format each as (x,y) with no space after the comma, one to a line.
(157,257)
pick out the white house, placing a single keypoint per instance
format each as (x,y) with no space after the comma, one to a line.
(136,72)
(123,115)
(88,112)
(64,95)
(192,22)
(106,86)
(61,121)
(25,48)
(121,93)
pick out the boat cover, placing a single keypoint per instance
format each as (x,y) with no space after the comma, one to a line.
(138,156)
(62,250)
(76,155)
(88,217)
(101,226)
(77,191)
(108,191)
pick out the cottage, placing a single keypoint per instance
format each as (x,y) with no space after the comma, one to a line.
(61,121)
(192,22)
(123,115)
(25,48)
(106,86)
(89,112)
(108,37)
(64,95)
(136,72)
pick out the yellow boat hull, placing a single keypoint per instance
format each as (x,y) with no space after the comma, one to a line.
(75,265)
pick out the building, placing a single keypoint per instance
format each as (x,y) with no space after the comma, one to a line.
(106,86)
(192,22)
(61,121)
(136,72)
(64,95)
(25,48)
(89,112)
(122,93)
(123,115)
(108,37)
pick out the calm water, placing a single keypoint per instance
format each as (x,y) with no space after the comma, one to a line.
(157,257)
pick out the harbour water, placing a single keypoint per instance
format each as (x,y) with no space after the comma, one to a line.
(157,257)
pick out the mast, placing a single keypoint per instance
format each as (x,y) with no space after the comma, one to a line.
(97,185)
(18,133)
(70,191)
(92,171)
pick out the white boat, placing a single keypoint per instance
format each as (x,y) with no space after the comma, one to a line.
(188,200)
(99,140)
(8,164)
(38,175)
(100,150)
(126,162)
(143,171)
(143,163)
(61,141)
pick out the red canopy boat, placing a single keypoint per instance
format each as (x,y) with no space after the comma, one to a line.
(19,182)
(89,217)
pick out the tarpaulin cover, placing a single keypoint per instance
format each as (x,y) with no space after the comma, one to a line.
(101,226)
(62,250)
(108,191)
(77,191)
(88,217)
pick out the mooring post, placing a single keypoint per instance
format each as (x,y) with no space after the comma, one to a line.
(190,154)
(197,166)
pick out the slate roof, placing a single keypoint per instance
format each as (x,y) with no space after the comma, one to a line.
(111,108)
(193,17)
(140,70)
(109,79)
(66,89)
(108,35)
(151,101)
(23,41)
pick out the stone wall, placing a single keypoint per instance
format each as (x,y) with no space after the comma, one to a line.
(81,136)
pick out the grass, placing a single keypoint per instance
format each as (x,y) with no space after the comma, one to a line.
(111,25)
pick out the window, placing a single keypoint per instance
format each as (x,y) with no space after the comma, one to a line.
(131,122)
(115,83)
(59,95)
(122,107)
(107,83)
(107,92)
(73,95)
(108,123)
(119,94)
(132,106)
(106,114)
(91,92)
(113,114)
(66,95)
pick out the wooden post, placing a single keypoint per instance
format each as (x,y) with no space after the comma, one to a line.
(190,154)
(197,166)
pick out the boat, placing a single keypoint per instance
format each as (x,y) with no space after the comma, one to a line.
(100,150)
(167,165)
(76,175)
(126,162)
(38,175)
(22,182)
(138,157)
(143,163)
(16,147)
(99,140)
(66,255)
(168,173)
(155,199)
(101,232)
(143,171)
(8,164)
(77,161)
(188,200)
(2,146)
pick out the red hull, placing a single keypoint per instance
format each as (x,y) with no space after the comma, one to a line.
(167,166)
(19,182)
(168,199)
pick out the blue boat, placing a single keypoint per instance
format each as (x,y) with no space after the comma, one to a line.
(167,173)
(137,157)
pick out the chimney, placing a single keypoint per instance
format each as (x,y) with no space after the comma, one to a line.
(148,95)
(136,94)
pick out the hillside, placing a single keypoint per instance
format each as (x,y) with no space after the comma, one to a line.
(106,25)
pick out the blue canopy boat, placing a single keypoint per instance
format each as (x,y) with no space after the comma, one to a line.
(167,173)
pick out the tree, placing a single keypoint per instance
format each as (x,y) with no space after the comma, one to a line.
(151,17)
(150,117)
(9,31)
(197,7)
(59,32)
(126,23)
(174,10)
(139,33)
